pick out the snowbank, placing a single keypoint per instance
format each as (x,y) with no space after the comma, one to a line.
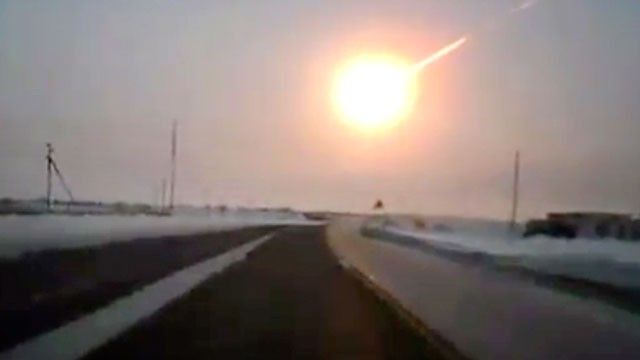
(19,234)
(609,261)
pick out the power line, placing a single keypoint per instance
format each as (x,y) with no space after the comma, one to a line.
(63,182)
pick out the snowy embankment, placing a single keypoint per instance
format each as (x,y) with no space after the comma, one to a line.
(488,314)
(20,234)
(611,262)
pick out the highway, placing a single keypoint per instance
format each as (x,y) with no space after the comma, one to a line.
(289,299)
(312,291)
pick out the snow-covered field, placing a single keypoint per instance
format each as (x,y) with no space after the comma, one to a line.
(459,225)
(488,314)
(19,234)
(607,261)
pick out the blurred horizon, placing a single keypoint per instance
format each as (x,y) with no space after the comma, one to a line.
(248,83)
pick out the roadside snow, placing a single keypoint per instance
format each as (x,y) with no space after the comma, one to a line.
(605,261)
(539,246)
(19,234)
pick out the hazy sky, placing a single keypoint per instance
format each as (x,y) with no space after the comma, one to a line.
(249,84)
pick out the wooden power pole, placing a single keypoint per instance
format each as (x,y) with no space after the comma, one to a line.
(52,167)
(49,159)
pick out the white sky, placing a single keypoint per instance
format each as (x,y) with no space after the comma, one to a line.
(249,82)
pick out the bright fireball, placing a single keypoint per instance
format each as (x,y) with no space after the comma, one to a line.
(374,92)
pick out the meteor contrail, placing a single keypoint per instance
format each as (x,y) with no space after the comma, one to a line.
(524,6)
(462,40)
(440,54)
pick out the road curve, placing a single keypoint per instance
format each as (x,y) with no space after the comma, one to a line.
(289,299)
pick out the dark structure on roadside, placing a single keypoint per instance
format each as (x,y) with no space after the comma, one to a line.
(52,167)
(591,225)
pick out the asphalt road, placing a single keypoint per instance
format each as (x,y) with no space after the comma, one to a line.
(44,290)
(289,299)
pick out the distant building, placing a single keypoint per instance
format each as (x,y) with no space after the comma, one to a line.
(592,225)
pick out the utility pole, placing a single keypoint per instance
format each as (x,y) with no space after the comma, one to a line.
(515,195)
(49,159)
(52,165)
(174,151)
